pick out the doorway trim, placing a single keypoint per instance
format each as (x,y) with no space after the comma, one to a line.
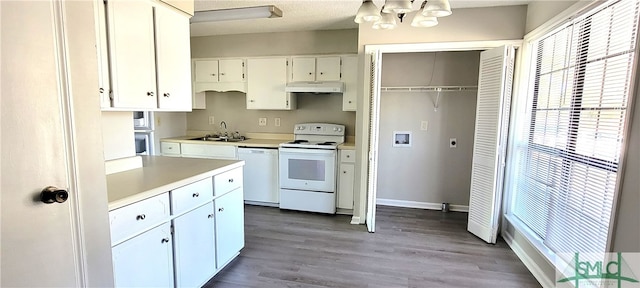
(368,190)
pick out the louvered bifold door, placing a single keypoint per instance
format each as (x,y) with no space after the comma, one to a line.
(374,64)
(490,140)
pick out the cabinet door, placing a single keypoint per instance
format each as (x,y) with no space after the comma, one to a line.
(173,60)
(102,51)
(132,61)
(231,70)
(206,70)
(145,260)
(229,218)
(345,186)
(328,68)
(350,79)
(266,83)
(194,247)
(303,69)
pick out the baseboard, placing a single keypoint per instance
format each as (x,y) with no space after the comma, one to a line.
(528,262)
(355,220)
(258,203)
(420,205)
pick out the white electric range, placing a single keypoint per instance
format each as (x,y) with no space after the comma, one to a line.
(307,168)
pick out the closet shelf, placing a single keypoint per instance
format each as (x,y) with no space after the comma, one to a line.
(438,89)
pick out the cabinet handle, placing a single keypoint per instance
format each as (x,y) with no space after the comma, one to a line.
(149,93)
(220,209)
(349,102)
(348,156)
(222,74)
(310,73)
(252,101)
(165,240)
(344,172)
(210,216)
(231,180)
(213,74)
(141,217)
(101,90)
(196,194)
(321,73)
(167,94)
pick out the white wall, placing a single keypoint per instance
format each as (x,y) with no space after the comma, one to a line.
(168,124)
(429,171)
(539,12)
(117,135)
(231,106)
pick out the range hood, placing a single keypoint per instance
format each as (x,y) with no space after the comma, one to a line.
(315,87)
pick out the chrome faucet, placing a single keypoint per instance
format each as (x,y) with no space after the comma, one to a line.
(225,128)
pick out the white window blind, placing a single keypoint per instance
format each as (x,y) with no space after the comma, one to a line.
(568,167)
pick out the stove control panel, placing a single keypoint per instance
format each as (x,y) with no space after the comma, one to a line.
(319,129)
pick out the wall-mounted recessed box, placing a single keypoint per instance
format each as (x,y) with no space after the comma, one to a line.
(402,139)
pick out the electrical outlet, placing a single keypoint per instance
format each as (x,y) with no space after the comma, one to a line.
(262,121)
(276,122)
(453,142)
(424,125)
(212,120)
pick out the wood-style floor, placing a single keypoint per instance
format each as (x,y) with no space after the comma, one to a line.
(411,248)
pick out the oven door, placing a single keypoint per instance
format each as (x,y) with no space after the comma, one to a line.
(308,169)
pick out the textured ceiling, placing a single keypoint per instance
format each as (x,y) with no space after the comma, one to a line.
(304,15)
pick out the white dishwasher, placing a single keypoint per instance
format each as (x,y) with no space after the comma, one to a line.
(260,175)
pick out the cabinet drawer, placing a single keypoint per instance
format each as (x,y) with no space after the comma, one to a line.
(191,196)
(227,181)
(209,151)
(130,220)
(170,148)
(348,156)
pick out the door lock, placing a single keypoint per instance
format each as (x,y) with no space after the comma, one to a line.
(52,194)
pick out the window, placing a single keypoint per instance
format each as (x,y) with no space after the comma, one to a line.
(567,163)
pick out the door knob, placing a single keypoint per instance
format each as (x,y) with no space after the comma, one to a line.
(51,194)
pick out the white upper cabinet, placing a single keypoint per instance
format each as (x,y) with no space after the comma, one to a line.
(149,66)
(222,70)
(315,68)
(102,51)
(174,60)
(267,78)
(132,54)
(350,79)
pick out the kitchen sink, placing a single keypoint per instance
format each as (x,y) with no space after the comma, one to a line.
(217,139)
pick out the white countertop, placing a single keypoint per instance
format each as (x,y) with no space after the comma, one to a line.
(161,174)
(252,142)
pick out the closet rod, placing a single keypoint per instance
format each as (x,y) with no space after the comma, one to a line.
(428,88)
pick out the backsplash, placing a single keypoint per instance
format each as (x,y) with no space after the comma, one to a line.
(230,107)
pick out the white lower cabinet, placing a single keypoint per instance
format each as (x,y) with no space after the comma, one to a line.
(145,260)
(346,178)
(207,234)
(229,216)
(194,245)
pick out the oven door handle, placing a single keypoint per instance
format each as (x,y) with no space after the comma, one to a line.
(306,151)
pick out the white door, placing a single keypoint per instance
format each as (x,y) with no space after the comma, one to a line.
(131,47)
(328,68)
(490,141)
(194,244)
(206,70)
(229,218)
(45,244)
(145,260)
(303,69)
(374,62)
(231,70)
(173,59)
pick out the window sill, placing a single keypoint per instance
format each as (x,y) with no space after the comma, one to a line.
(533,239)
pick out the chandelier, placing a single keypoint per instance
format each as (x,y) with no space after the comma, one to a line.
(385,18)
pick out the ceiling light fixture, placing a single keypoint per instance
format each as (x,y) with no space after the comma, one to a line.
(368,12)
(425,17)
(386,22)
(270,11)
